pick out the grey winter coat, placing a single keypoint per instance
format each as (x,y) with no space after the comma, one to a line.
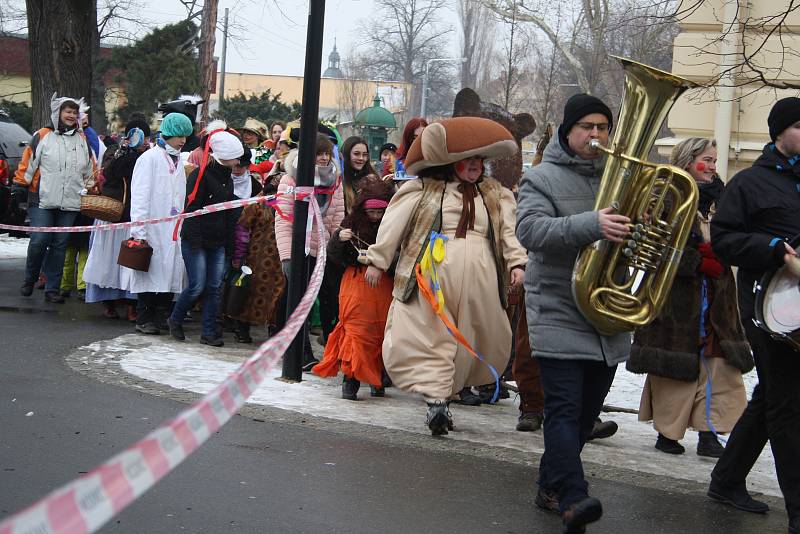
(555,218)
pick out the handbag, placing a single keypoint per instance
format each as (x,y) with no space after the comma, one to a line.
(237,290)
(104,208)
(135,254)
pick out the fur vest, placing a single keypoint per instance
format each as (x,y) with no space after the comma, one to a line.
(427,217)
(668,346)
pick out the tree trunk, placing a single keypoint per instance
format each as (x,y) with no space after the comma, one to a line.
(60,50)
(208,40)
(97,99)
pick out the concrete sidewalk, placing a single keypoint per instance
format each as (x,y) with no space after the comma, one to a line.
(199,368)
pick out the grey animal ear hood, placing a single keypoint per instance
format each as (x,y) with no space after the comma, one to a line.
(55,106)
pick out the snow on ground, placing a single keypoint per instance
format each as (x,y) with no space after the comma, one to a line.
(12,248)
(200,368)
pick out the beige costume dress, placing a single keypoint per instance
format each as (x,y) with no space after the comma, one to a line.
(419,353)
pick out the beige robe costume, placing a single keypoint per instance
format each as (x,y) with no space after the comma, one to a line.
(419,353)
(675,405)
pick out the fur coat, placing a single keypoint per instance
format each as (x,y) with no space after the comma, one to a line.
(668,346)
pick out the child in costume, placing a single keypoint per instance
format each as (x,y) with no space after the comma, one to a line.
(454,227)
(354,346)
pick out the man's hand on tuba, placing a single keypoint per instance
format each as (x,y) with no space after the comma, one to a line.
(613,227)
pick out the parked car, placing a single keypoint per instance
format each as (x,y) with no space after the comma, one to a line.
(13,199)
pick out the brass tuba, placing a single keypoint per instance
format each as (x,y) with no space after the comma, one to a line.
(619,287)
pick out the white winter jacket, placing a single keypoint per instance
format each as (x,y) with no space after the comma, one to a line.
(57,166)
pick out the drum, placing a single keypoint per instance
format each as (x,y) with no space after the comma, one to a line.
(777,302)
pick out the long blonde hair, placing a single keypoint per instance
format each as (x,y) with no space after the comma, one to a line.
(684,152)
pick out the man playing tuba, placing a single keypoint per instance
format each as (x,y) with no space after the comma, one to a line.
(555,219)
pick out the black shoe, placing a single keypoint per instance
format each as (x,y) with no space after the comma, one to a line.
(148,328)
(26,290)
(486,393)
(580,514)
(350,387)
(468,398)
(82,294)
(529,421)
(242,337)
(386,382)
(310,365)
(439,420)
(176,330)
(602,429)
(738,497)
(670,446)
(54,297)
(547,500)
(213,341)
(66,293)
(377,392)
(709,446)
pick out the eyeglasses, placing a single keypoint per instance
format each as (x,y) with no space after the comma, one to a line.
(589,126)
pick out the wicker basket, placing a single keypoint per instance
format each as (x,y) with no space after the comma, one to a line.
(104,208)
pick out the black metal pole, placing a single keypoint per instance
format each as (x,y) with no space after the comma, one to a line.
(298,278)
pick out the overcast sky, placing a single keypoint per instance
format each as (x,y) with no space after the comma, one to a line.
(275,30)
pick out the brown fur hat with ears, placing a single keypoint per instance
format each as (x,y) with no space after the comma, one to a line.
(450,140)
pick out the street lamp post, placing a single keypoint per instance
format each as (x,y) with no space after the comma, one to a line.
(425,78)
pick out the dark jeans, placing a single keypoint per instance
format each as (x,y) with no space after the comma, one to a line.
(574,391)
(152,307)
(329,298)
(204,269)
(48,248)
(773,414)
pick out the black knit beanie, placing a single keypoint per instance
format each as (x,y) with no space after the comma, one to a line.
(783,114)
(577,107)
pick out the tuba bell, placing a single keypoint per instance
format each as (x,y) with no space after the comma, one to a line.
(619,287)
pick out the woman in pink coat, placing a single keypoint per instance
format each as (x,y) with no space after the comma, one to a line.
(328,183)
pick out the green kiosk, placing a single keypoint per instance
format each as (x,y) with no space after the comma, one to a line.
(375,123)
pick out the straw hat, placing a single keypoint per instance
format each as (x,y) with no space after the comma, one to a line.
(451,140)
(255,126)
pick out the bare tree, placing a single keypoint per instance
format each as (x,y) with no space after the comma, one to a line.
(477,42)
(592,14)
(402,37)
(61,39)
(354,94)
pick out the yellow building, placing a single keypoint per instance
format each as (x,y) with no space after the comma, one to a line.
(735,112)
(339,95)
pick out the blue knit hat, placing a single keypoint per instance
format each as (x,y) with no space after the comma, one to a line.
(176,125)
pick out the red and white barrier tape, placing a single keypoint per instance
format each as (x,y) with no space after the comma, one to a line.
(88,502)
(297,192)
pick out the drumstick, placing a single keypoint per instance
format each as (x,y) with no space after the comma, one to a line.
(354,235)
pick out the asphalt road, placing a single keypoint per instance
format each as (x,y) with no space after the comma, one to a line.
(273,471)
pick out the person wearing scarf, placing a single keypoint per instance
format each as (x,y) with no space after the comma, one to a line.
(330,198)
(158,189)
(476,215)
(207,240)
(698,338)
(56,166)
(354,346)
(355,168)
